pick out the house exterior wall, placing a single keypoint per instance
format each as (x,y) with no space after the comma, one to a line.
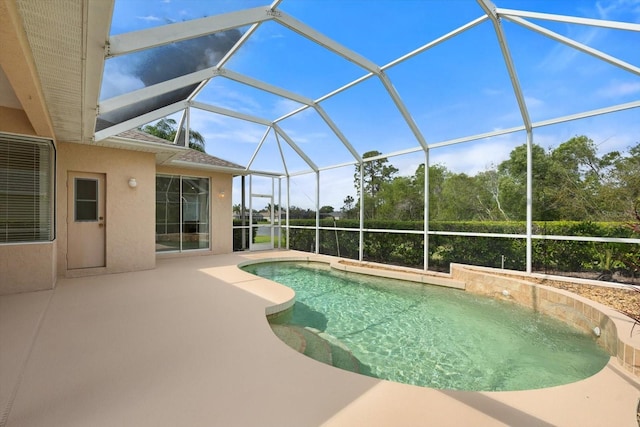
(130,212)
(25,267)
(13,120)
(221,219)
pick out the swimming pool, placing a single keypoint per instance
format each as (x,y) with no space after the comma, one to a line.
(435,337)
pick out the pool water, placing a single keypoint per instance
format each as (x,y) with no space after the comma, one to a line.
(436,337)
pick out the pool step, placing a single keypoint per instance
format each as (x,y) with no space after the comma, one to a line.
(291,336)
(341,355)
(317,345)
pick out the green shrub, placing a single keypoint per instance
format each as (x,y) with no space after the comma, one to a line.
(407,249)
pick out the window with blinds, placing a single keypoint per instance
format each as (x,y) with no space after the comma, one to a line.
(26,189)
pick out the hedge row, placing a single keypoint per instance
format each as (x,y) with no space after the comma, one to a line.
(407,249)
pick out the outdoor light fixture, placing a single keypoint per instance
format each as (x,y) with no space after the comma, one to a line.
(132,183)
(221,194)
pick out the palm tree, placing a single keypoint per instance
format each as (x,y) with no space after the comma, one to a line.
(167,129)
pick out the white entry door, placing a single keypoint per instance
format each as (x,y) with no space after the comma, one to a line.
(86,220)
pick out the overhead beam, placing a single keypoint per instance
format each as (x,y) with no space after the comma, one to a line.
(227,56)
(266,87)
(295,147)
(403,110)
(140,120)
(602,23)
(158,89)
(337,132)
(230,113)
(181,124)
(490,9)
(307,102)
(292,113)
(436,42)
(592,113)
(257,150)
(324,41)
(284,161)
(576,45)
(95,30)
(144,39)
(477,137)
(345,87)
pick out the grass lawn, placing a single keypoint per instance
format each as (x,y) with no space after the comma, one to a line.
(267,239)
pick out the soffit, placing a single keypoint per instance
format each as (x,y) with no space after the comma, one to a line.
(54,31)
(66,37)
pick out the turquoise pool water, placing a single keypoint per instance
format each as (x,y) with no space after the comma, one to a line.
(436,337)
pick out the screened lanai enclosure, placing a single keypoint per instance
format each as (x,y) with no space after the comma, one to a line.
(415,133)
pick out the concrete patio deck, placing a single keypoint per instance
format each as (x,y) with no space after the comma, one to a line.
(188,344)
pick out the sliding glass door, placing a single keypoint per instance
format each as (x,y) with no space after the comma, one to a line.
(182,213)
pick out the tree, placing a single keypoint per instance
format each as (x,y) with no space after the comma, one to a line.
(348,203)
(459,191)
(437,174)
(489,196)
(349,209)
(375,173)
(326,209)
(513,177)
(622,183)
(167,129)
(299,213)
(399,200)
(577,174)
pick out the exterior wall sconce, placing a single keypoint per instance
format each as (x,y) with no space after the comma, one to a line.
(133,183)
(221,194)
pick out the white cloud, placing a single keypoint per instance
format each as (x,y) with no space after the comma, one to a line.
(306,137)
(613,8)
(286,106)
(150,18)
(533,102)
(117,81)
(618,88)
(492,92)
(225,97)
(561,57)
(237,135)
(476,157)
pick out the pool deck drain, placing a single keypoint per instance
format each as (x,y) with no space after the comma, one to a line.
(188,344)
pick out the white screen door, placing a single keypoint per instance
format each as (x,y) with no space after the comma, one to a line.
(86,220)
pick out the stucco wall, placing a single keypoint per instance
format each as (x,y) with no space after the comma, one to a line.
(15,121)
(27,267)
(221,207)
(130,213)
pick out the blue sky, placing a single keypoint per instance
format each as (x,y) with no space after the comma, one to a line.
(457,89)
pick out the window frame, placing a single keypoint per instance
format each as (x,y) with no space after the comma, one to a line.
(43,217)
